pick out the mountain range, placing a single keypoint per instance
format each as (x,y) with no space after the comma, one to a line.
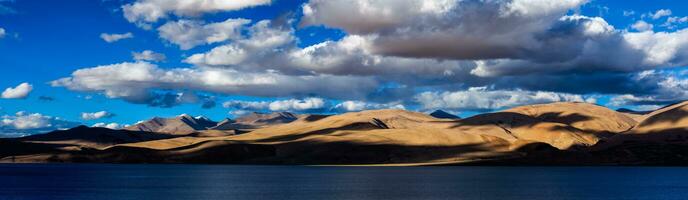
(543,134)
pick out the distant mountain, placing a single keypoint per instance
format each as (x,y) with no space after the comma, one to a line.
(267,118)
(256,120)
(638,116)
(181,125)
(626,110)
(440,114)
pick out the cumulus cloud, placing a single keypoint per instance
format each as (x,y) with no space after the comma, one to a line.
(419,28)
(642,26)
(145,12)
(189,33)
(353,106)
(2,33)
(673,22)
(506,37)
(148,55)
(293,104)
(278,105)
(306,105)
(272,47)
(19,92)
(110,125)
(96,115)
(484,99)
(137,82)
(662,87)
(537,50)
(23,123)
(114,37)
(661,13)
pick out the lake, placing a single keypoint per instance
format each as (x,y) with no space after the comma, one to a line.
(203,182)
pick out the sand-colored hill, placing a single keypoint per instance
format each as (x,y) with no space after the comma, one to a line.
(553,124)
(495,133)
(582,116)
(562,125)
(674,117)
(524,134)
(668,125)
(366,136)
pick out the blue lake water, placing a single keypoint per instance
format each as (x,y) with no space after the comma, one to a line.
(203,182)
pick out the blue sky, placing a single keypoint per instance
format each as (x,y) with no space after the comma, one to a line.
(48,40)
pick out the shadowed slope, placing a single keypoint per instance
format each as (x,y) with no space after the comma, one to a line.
(666,125)
(93,137)
(562,125)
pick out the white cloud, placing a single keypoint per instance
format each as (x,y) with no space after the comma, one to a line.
(634,51)
(189,33)
(294,104)
(247,105)
(239,112)
(2,33)
(271,48)
(504,37)
(148,55)
(485,99)
(277,105)
(265,41)
(23,123)
(149,11)
(353,106)
(641,25)
(485,29)
(673,22)
(110,38)
(627,13)
(627,99)
(19,92)
(661,13)
(394,48)
(96,115)
(136,82)
(110,125)
(660,87)
(661,49)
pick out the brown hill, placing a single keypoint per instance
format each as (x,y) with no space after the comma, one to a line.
(666,125)
(380,136)
(181,125)
(256,120)
(525,135)
(562,125)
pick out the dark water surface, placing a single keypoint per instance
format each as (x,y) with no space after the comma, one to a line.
(203,182)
